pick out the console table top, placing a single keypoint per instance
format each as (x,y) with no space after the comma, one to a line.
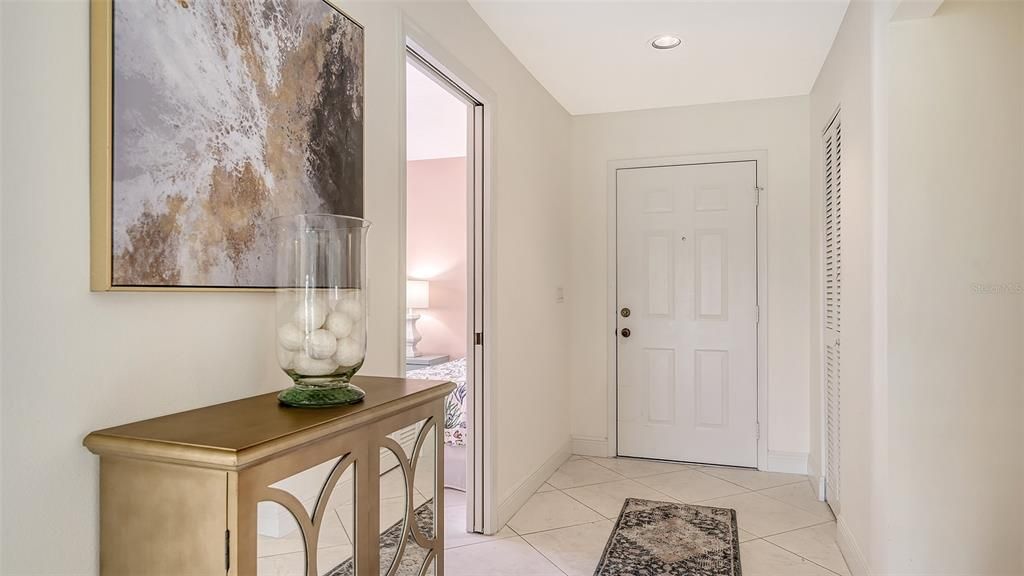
(237,434)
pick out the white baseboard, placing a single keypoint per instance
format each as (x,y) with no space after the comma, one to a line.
(590,446)
(813,468)
(508,508)
(816,477)
(818,485)
(855,559)
(788,462)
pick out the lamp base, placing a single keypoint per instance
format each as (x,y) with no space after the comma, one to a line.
(412,336)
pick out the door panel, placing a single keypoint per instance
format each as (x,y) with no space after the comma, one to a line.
(687,270)
(831,330)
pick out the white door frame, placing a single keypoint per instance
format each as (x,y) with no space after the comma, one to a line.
(761,159)
(482,509)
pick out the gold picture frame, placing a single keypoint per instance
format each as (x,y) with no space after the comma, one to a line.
(102,150)
(101,185)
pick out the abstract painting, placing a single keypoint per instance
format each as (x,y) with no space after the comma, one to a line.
(224,114)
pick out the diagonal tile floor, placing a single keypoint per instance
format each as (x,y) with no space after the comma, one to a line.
(563,528)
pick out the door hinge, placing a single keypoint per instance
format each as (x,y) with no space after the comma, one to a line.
(757,195)
(478,339)
(227,550)
(758,433)
(757,313)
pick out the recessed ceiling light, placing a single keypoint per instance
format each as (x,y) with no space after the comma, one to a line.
(666,42)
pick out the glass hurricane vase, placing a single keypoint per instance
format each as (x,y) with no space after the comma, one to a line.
(321,306)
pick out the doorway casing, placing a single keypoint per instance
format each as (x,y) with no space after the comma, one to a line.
(760,157)
(481,503)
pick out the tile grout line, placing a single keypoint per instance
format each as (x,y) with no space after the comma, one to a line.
(793,530)
(687,468)
(683,468)
(546,530)
(486,540)
(778,486)
(670,497)
(569,496)
(520,537)
(723,480)
(760,492)
(603,519)
(543,555)
(745,489)
(698,468)
(584,485)
(801,557)
(343,528)
(584,504)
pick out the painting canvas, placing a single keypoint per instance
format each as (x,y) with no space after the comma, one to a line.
(225,114)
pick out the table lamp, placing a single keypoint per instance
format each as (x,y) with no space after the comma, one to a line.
(417,295)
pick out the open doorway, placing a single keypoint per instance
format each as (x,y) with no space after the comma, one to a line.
(444,269)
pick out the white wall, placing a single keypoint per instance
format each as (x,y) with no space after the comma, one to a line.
(956,290)
(778,126)
(848,80)
(435,119)
(531,259)
(435,250)
(932,265)
(81,360)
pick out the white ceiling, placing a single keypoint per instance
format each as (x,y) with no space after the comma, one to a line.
(596,56)
(435,119)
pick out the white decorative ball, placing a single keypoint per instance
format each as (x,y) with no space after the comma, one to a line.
(322,345)
(307,366)
(310,315)
(351,307)
(350,352)
(285,358)
(290,336)
(358,332)
(339,323)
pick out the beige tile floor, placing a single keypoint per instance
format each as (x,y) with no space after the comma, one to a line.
(563,528)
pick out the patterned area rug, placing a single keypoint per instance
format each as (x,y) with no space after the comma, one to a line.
(661,538)
(412,557)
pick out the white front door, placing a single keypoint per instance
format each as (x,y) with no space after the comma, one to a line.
(687,312)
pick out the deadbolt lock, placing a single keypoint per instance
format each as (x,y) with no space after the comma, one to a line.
(625,312)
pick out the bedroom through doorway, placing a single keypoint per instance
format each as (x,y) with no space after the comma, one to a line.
(444,269)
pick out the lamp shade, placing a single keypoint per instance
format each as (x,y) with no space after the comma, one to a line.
(417,294)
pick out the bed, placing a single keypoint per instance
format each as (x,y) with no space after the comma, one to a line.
(455,403)
(454,418)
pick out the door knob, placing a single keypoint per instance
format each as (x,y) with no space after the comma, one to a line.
(625,332)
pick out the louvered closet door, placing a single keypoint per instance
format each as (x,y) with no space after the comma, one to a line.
(833,282)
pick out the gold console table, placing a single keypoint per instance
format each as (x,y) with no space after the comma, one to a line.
(251,487)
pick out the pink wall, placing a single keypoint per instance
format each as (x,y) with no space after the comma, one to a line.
(436,250)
